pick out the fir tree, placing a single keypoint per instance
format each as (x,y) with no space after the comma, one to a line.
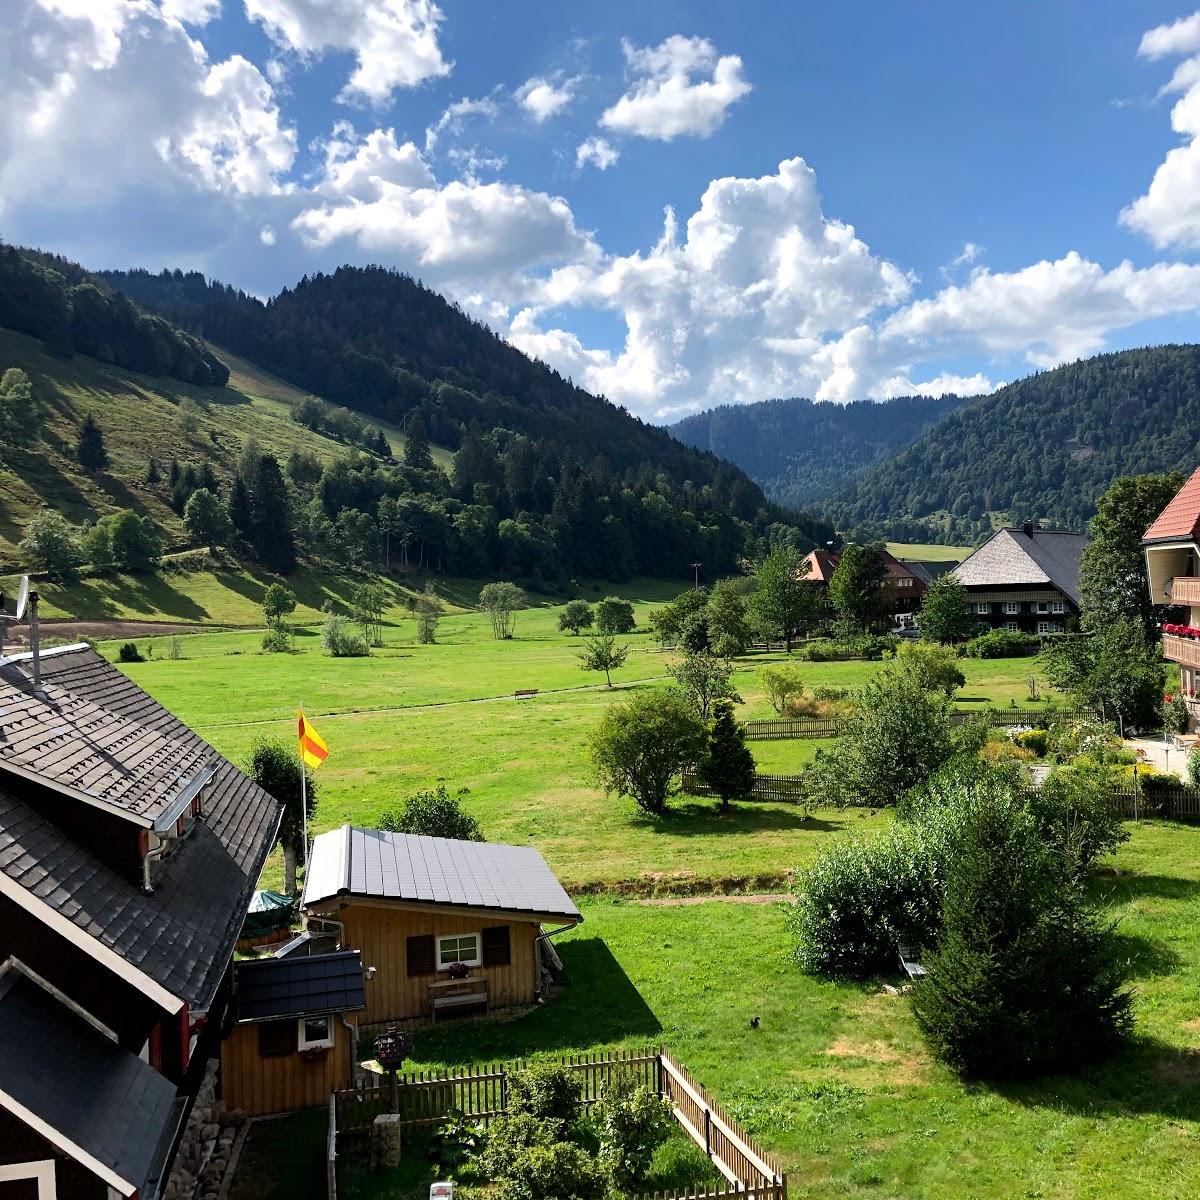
(416,445)
(239,507)
(728,766)
(93,456)
(270,518)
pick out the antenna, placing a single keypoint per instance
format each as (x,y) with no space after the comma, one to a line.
(22,596)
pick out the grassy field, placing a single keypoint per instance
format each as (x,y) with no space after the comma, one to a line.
(929,551)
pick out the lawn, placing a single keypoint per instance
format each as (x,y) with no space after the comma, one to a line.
(928,551)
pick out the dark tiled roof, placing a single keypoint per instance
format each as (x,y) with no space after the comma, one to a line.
(73,743)
(182,934)
(1181,518)
(300,986)
(927,570)
(401,866)
(101,1098)
(1014,558)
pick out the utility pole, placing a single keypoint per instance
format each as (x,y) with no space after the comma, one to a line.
(696,572)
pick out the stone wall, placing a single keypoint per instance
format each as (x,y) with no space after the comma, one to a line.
(206,1148)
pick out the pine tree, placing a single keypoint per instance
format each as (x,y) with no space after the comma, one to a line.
(239,507)
(270,518)
(728,766)
(92,454)
(416,445)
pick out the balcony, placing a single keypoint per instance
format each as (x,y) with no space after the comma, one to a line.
(1182,650)
(1185,590)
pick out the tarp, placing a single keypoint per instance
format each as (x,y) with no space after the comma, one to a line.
(268,912)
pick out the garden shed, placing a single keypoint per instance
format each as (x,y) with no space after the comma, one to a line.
(450,927)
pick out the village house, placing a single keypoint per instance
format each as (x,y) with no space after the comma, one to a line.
(904,586)
(1172,552)
(128,853)
(443,926)
(1024,580)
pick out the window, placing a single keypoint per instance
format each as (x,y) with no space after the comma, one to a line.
(1012,606)
(1012,627)
(982,608)
(276,1038)
(904,581)
(316,1033)
(1057,606)
(459,948)
(1043,606)
(1043,627)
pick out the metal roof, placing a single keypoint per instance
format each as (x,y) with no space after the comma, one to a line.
(100,1100)
(181,935)
(300,986)
(429,870)
(1020,558)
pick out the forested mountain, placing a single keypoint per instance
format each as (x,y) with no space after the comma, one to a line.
(546,481)
(56,301)
(1045,447)
(799,450)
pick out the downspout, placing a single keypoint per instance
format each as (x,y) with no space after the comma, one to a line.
(151,856)
(352,1047)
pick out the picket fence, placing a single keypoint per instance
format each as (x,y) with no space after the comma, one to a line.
(788,728)
(427,1098)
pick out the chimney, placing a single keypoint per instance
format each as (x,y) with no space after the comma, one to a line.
(1027,529)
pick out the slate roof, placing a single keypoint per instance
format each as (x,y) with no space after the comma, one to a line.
(1181,518)
(429,870)
(927,570)
(299,987)
(99,1097)
(181,935)
(72,743)
(1017,558)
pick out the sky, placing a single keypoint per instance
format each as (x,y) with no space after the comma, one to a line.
(676,204)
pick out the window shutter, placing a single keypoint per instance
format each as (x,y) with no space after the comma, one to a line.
(420,954)
(277,1037)
(497,946)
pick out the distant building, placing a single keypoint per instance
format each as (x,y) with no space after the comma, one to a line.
(905,583)
(1172,549)
(1024,579)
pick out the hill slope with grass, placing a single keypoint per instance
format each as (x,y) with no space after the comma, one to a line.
(1043,448)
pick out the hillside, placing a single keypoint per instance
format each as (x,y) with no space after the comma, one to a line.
(1045,447)
(799,451)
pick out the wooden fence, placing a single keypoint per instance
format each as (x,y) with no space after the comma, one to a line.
(426,1098)
(779,729)
(331,1151)
(791,789)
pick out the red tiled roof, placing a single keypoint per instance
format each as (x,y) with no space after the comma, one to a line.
(1181,518)
(821,565)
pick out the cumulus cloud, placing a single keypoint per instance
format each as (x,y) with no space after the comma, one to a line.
(361,169)
(1169,212)
(679,87)
(395,42)
(192,12)
(542,98)
(266,235)
(598,151)
(455,115)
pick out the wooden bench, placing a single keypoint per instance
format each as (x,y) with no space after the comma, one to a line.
(524,693)
(910,963)
(458,995)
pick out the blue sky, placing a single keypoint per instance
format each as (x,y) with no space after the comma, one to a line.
(864,199)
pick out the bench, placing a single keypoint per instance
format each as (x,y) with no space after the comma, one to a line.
(910,962)
(458,995)
(524,693)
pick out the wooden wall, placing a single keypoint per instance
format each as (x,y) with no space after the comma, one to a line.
(281,1083)
(380,933)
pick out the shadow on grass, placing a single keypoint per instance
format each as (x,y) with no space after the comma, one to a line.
(1146,957)
(702,818)
(102,599)
(1148,1078)
(597,1003)
(1118,888)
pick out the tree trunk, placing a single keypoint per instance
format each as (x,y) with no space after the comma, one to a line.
(289,867)
(608,677)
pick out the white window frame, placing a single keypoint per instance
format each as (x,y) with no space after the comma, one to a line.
(1042,607)
(1044,627)
(40,1171)
(304,1043)
(1011,607)
(982,608)
(904,581)
(459,937)
(1057,606)
(1012,627)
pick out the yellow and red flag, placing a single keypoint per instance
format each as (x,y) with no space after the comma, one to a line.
(313,751)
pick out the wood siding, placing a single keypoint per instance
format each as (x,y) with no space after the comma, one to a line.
(381,932)
(281,1083)
(20,1144)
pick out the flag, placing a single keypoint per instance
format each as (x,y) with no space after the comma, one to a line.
(313,751)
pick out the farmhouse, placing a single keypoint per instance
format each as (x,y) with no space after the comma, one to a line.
(903,588)
(1172,550)
(128,852)
(448,926)
(1025,580)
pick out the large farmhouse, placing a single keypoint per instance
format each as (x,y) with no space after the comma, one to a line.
(448,926)
(1025,580)
(128,852)
(904,586)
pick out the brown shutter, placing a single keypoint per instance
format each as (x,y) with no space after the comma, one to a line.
(277,1037)
(497,946)
(420,954)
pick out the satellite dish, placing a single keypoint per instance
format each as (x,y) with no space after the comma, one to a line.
(22,596)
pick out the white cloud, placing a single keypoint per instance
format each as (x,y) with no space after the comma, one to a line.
(969,254)
(395,42)
(266,235)
(1169,212)
(362,169)
(598,151)
(542,98)
(192,12)
(669,96)
(455,114)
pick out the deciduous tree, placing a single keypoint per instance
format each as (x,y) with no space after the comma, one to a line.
(783,603)
(614,615)
(575,616)
(856,588)
(502,601)
(601,653)
(275,767)
(945,614)
(51,544)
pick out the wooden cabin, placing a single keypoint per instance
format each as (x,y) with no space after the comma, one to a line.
(450,927)
(296,1032)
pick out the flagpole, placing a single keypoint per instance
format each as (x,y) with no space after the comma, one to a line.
(303,802)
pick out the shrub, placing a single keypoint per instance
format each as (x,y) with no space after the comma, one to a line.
(1005,751)
(175,649)
(129,653)
(782,684)
(339,640)
(575,616)
(548,1091)
(1174,714)
(1000,643)
(933,666)
(434,813)
(631,1122)
(561,1171)
(277,640)
(1193,768)
(1076,816)
(510,1136)
(1037,740)
(614,615)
